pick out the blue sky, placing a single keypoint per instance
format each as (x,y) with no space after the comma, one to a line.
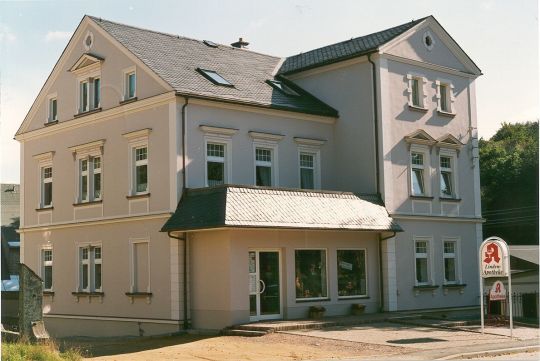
(500,36)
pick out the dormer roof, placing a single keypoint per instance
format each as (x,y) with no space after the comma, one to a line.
(420,136)
(449,141)
(87,60)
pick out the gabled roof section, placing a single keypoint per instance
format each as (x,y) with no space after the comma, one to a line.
(175,59)
(260,207)
(344,50)
(449,141)
(420,136)
(86,60)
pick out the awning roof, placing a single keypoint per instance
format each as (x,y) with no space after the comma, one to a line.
(260,207)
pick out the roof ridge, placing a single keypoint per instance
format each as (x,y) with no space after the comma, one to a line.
(176,36)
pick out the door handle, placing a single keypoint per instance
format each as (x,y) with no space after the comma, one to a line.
(263,286)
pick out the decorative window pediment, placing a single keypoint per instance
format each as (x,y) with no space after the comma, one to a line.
(449,141)
(420,137)
(87,62)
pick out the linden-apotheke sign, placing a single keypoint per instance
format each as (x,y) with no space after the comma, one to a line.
(494,258)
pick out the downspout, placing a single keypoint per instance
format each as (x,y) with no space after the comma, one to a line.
(376,125)
(381,283)
(184,238)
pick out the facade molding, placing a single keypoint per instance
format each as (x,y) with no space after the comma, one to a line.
(430,66)
(118,319)
(436,218)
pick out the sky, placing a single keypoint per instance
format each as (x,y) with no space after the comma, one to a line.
(500,36)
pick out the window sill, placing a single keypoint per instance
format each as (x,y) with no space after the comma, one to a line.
(133,295)
(347,298)
(136,196)
(88,112)
(48,293)
(417,108)
(89,295)
(454,286)
(129,100)
(42,209)
(446,114)
(425,288)
(82,204)
(49,123)
(425,198)
(323,299)
(445,199)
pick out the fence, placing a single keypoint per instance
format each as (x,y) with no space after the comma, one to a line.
(524,305)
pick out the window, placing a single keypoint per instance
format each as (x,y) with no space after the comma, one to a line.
(282,87)
(450,266)
(416,90)
(131,84)
(46,270)
(307,171)
(53,110)
(422,262)
(310,274)
(214,77)
(89,179)
(90,269)
(447,188)
(89,94)
(141,170)
(140,278)
(417,174)
(445,96)
(46,186)
(215,164)
(351,267)
(263,167)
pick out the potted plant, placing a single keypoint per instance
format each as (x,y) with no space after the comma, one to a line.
(316,311)
(357,309)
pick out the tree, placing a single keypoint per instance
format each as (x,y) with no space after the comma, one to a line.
(509,182)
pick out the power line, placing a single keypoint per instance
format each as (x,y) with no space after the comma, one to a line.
(506,210)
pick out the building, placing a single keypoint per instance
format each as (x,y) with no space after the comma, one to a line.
(169,182)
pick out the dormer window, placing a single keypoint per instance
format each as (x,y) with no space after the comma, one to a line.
(214,77)
(282,87)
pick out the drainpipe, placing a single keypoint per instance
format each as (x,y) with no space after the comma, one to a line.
(184,146)
(381,281)
(376,125)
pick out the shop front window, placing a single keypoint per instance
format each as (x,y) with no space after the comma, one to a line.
(310,274)
(351,266)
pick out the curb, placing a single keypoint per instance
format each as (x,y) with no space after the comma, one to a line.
(504,351)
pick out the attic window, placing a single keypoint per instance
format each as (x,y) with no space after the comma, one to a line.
(428,40)
(214,77)
(210,43)
(282,87)
(88,41)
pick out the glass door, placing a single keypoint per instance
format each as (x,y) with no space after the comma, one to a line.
(264,285)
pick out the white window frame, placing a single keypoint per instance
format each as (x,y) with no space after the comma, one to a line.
(45,263)
(136,140)
(88,152)
(44,160)
(425,151)
(457,260)
(365,272)
(50,99)
(450,99)
(429,259)
(226,142)
(133,271)
(91,262)
(316,153)
(328,296)
(422,92)
(89,77)
(139,163)
(266,141)
(452,154)
(125,83)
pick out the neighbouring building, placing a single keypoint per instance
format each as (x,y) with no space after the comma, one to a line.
(169,182)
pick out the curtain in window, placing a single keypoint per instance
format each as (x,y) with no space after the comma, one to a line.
(306,178)
(264,176)
(418,181)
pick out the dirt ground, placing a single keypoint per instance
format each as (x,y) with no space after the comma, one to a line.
(275,346)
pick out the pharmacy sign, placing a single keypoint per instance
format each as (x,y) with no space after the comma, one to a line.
(494,258)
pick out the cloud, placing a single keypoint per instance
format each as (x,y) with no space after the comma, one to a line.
(57,35)
(6,36)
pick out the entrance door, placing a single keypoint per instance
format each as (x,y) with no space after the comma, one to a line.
(264,285)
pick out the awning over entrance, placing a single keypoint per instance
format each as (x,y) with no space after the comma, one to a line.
(257,207)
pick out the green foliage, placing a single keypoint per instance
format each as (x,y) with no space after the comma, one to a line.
(24,351)
(509,180)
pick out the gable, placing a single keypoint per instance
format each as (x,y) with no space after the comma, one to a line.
(104,57)
(420,136)
(443,51)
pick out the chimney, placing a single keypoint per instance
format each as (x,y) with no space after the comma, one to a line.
(240,44)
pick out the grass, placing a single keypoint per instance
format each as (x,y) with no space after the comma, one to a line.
(48,351)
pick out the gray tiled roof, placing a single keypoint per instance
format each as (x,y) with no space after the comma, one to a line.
(175,59)
(245,206)
(343,50)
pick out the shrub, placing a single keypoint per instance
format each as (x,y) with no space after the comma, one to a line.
(24,351)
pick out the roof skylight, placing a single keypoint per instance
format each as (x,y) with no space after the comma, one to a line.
(214,77)
(282,87)
(210,43)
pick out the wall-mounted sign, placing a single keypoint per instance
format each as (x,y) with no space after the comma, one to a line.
(497,292)
(493,258)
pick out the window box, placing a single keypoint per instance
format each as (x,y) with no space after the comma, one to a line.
(316,312)
(357,309)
